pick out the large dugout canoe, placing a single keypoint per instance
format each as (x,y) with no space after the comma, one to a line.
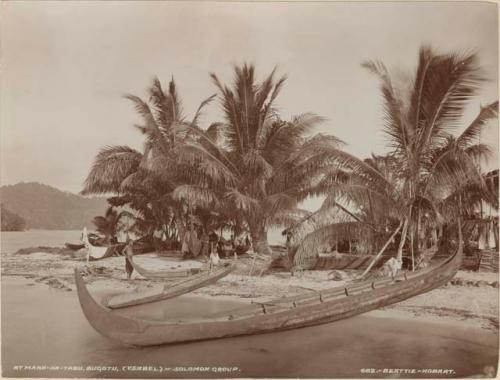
(348,261)
(169,290)
(281,314)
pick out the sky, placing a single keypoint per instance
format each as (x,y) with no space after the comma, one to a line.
(66,66)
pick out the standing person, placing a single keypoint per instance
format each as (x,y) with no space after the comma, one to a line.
(129,269)
(185,242)
(205,243)
(213,239)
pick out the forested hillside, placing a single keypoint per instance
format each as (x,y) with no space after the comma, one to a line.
(45,207)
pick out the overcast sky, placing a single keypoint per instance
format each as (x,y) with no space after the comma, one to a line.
(66,65)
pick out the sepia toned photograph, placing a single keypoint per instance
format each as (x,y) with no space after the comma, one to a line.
(237,189)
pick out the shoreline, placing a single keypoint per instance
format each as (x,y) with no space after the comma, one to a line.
(469,300)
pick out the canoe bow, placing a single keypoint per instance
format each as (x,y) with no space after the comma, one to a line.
(287,313)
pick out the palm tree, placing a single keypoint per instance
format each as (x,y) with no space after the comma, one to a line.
(425,165)
(109,224)
(259,165)
(145,180)
(419,120)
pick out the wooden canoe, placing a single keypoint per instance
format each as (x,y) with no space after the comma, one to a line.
(169,290)
(98,253)
(163,274)
(348,261)
(74,247)
(285,313)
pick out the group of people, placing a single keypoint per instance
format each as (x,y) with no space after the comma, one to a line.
(198,242)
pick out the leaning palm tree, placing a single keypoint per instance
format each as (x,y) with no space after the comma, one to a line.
(259,165)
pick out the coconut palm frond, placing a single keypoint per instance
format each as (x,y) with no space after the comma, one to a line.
(471,195)
(165,111)
(256,166)
(203,104)
(244,88)
(473,132)
(195,154)
(243,202)
(175,101)
(395,127)
(288,218)
(111,166)
(215,132)
(196,196)
(417,97)
(479,153)
(301,125)
(451,80)
(282,137)
(150,126)
(275,92)
(267,110)
(132,182)
(453,169)
(233,131)
(278,203)
(214,152)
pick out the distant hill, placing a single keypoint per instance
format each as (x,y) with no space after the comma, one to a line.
(45,207)
(11,221)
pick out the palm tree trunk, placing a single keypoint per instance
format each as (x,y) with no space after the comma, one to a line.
(382,250)
(399,256)
(412,244)
(418,228)
(259,239)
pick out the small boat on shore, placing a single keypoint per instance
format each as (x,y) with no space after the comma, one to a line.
(162,274)
(98,253)
(74,247)
(203,278)
(316,307)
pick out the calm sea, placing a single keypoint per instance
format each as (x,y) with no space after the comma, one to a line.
(12,241)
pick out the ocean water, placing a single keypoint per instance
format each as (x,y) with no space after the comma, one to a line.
(12,241)
(45,334)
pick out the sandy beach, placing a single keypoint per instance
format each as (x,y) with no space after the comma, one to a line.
(471,298)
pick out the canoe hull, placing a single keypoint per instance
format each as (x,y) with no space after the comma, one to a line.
(74,247)
(162,275)
(174,290)
(99,253)
(137,332)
